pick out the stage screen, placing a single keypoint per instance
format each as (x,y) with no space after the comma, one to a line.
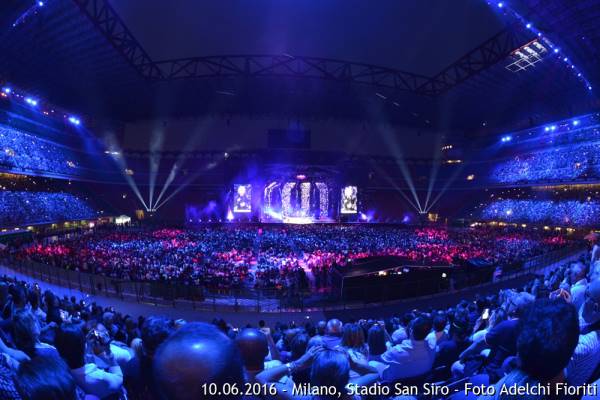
(349,200)
(242,198)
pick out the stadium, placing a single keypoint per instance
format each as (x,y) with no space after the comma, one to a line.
(299,199)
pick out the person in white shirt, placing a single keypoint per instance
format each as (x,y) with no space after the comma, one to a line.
(577,277)
(595,253)
(589,313)
(412,357)
(72,344)
(401,332)
(585,359)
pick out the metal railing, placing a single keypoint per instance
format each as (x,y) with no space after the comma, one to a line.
(183,295)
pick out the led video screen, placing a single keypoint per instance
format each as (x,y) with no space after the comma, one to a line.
(242,198)
(349,200)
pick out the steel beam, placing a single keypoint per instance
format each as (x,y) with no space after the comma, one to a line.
(290,66)
(486,55)
(489,53)
(108,22)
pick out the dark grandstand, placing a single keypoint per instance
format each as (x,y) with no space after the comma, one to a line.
(299,199)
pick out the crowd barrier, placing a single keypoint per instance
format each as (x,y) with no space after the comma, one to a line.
(264,300)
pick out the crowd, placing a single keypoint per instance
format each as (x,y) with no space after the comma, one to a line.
(560,212)
(545,334)
(273,256)
(555,164)
(18,208)
(29,153)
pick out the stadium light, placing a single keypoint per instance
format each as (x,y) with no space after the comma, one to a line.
(74,120)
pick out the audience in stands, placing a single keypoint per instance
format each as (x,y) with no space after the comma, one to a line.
(18,208)
(558,163)
(26,152)
(559,212)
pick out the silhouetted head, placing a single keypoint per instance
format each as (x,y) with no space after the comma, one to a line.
(299,345)
(440,320)
(70,343)
(26,331)
(194,355)
(253,348)
(376,340)
(590,310)
(334,327)
(155,330)
(321,327)
(45,378)
(577,272)
(353,336)
(420,328)
(330,368)
(549,335)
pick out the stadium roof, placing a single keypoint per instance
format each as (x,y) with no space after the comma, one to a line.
(431,63)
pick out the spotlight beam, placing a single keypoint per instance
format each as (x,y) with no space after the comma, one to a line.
(186,183)
(177,190)
(119,159)
(434,170)
(170,179)
(398,189)
(156,144)
(191,144)
(399,158)
(447,185)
